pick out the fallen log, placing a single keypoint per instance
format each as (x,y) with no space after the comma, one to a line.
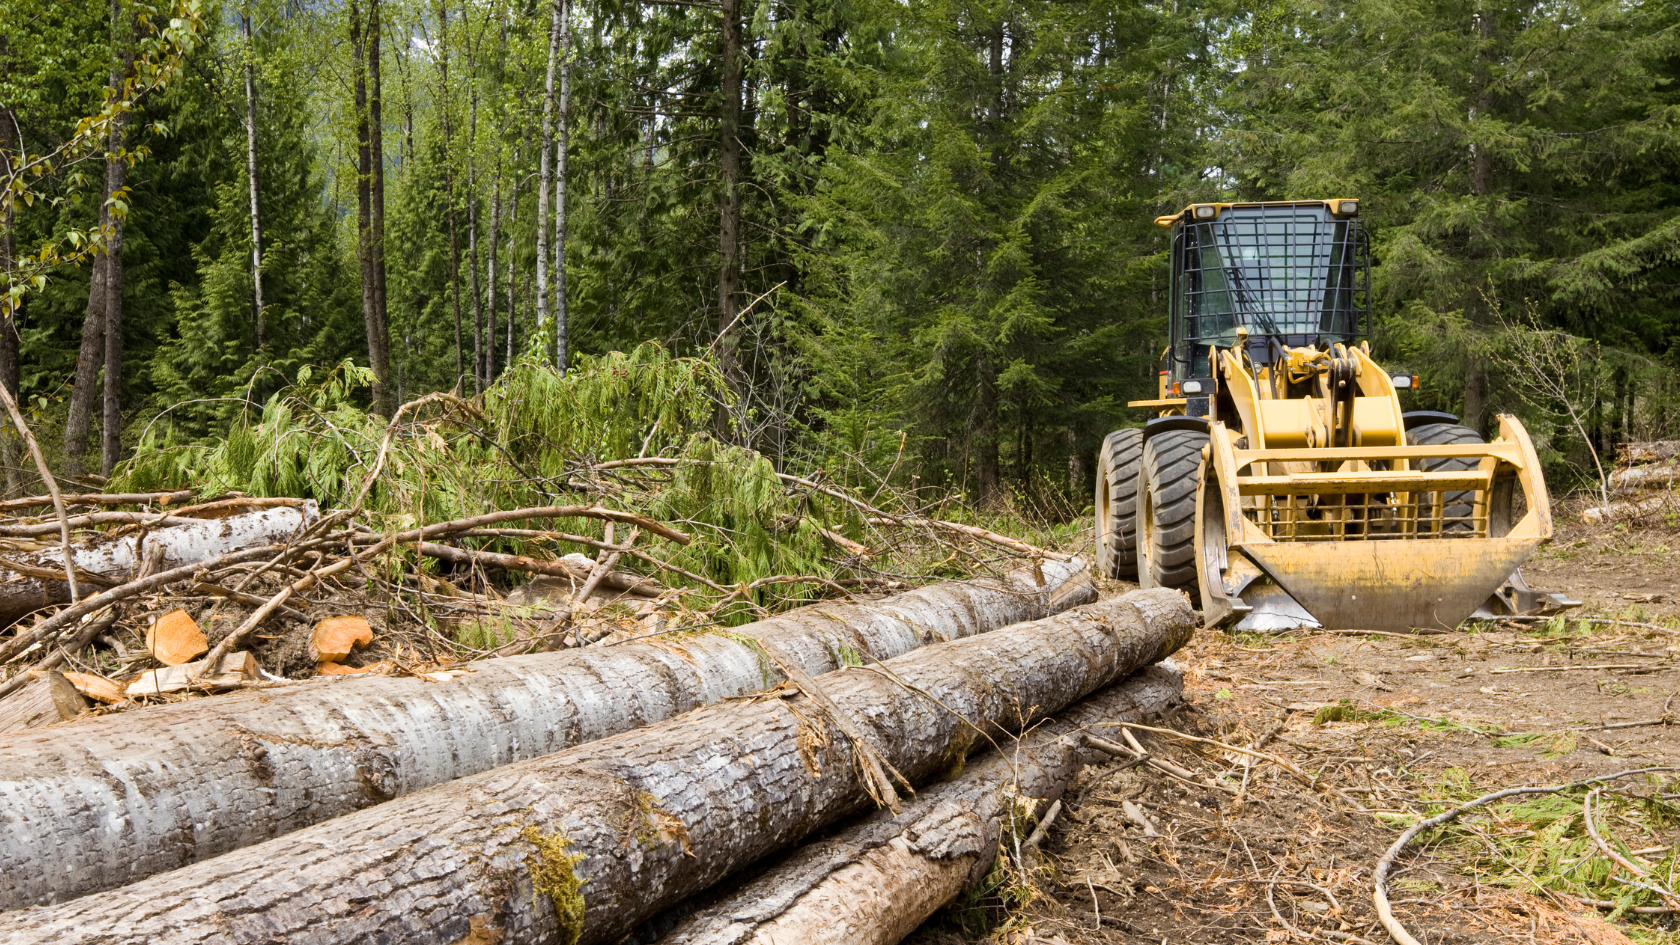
(46,699)
(1644,477)
(116,560)
(1622,511)
(876,881)
(111,800)
(583,845)
(231,672)
(1633,453)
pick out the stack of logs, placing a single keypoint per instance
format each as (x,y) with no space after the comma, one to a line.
(1645,485)
(590,794)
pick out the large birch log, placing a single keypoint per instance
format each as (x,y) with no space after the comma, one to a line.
(102,802)
(1644,477)
(116,559)
(582,845)
(876,881)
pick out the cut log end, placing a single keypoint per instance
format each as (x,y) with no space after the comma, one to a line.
(175,638)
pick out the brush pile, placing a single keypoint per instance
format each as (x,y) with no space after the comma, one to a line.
(529,666)
(548,513)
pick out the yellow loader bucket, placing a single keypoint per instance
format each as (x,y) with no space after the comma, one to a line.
(1363,538)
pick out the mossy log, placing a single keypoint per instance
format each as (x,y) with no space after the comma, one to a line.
(583,845)
(102,802)
(874,882)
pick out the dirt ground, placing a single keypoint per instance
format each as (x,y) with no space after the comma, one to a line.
(1403,727)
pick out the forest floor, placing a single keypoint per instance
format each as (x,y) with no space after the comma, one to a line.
(1403,726)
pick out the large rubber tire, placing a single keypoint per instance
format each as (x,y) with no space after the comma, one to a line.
(1172,463)
(1116,508)
(1455,503)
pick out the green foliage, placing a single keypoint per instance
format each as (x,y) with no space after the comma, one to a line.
(529,441)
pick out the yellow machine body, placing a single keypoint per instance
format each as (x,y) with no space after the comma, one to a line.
(1313,509)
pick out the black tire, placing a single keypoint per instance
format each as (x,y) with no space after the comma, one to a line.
(1116,508)
(1455,504)
(1172,463)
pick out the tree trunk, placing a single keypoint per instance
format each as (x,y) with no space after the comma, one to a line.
(561,340)
(472,216)
(251,174)
(242,770)
(545,173)
(118,558)
(370,198)
(116,185)
(582,845)
(1481,185)
(729,201)
(88,361)
(10,340)
(875,882)
(383,400)
(449,189)
(513,226)
(989,478)
(489,363)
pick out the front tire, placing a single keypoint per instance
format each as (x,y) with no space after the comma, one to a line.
(1457,507)
(1172,471)
(1116,509)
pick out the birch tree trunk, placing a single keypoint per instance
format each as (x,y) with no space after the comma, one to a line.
(545,172)
(118,559)
(561,145)
(582,845)
(112,800)
(251,172)
(875,882)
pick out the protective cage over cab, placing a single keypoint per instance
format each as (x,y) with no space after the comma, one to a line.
(1278,476)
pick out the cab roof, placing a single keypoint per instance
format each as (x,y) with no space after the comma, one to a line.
(1339,206)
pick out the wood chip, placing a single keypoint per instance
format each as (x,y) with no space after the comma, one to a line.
(335,637)
(175,638)
(339,669)
(235,670)
(97,688)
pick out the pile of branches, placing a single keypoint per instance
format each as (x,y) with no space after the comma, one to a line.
(551,511)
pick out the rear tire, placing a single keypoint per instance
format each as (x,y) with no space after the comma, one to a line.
(1455,504)
(1172,464)
(1116,509)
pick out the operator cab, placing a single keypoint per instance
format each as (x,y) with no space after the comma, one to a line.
(1290,274)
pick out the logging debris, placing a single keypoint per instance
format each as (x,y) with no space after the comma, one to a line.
(1646,482)
(193,775)
(656,815)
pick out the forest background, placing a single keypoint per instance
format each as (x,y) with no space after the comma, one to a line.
(915,237)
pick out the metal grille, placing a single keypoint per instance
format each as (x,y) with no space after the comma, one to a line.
(1406,515)
(1294,273)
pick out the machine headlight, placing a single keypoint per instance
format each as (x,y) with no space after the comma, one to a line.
(1191,387)
(1206,212)
(1348,208)
(1402,381)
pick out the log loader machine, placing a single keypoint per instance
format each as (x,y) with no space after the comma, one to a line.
(1278,476)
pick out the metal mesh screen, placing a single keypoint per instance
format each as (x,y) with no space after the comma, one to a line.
(1292,272)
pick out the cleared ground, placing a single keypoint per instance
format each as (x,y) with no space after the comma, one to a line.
(1404,727)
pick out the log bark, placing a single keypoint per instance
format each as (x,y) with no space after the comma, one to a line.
(583,845)
(1623,511)
(117,559)
(117,798)
(1653,451)
(875,882)
(1644,477)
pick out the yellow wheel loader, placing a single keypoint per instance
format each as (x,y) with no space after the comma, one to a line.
(1279,478)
